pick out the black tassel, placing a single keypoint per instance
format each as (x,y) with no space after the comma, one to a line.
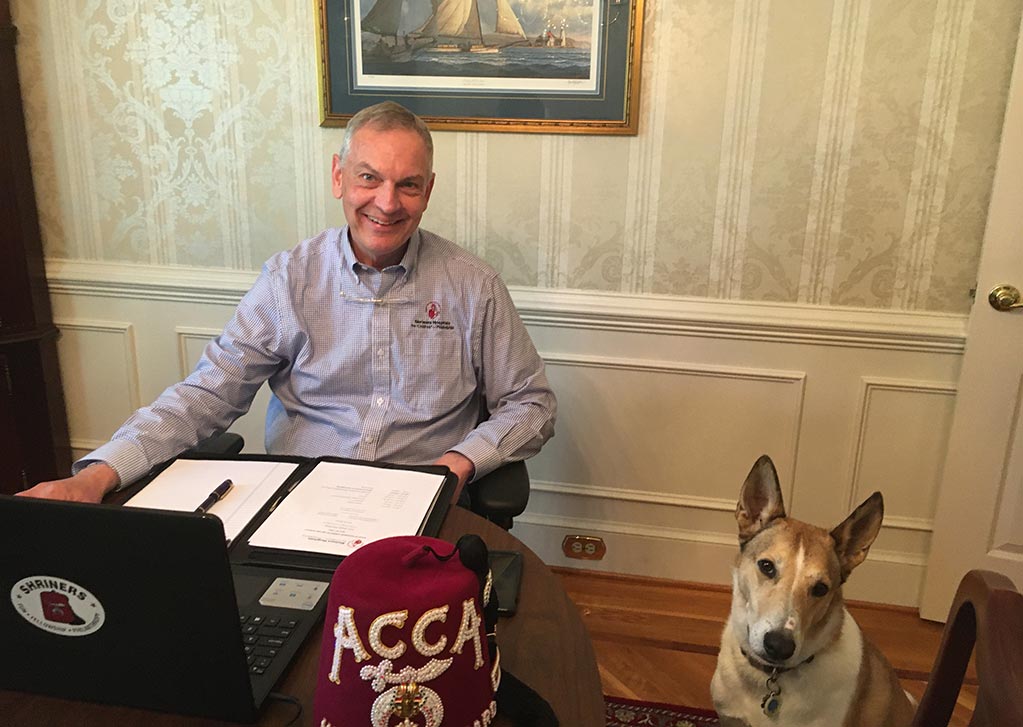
(515,699)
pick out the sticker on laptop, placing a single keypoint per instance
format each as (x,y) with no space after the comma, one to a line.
(57,605)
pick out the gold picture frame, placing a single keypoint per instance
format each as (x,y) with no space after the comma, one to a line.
(572,70)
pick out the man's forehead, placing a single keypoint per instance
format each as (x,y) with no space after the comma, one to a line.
(374,147)
(400,134)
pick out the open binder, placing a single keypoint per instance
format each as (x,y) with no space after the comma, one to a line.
(271,492)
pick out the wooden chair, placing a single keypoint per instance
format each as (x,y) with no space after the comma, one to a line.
(987,613)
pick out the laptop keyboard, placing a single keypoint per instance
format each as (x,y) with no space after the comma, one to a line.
(264,638)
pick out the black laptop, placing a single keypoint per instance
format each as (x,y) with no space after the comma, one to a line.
(143,608)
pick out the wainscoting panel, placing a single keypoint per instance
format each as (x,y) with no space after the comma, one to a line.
(95,408)
(664,404)
(627,423)
(917,415)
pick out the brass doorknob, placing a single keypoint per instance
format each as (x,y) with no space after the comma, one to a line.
(1005,297)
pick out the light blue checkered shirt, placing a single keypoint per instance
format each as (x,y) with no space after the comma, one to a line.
(383,365)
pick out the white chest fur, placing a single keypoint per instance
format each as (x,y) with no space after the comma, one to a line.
(817,694)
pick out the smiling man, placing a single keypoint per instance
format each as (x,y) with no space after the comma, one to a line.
(380,341)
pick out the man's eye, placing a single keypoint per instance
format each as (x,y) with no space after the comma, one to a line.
(766,567)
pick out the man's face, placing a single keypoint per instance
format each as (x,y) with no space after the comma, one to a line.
(384,187)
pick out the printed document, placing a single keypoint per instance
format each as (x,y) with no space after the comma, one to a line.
(185,483)
(339,507)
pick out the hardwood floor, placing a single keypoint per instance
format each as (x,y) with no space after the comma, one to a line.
(657,640)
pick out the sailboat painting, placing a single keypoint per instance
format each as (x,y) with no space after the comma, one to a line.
(486,46)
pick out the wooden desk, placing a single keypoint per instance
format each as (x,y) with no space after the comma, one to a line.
(545,645)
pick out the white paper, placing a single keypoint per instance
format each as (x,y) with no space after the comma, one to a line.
(185,483)
(340,507)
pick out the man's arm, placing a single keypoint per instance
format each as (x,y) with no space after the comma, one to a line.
(521,405)
(220,389)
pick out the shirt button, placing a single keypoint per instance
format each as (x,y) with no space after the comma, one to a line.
(380,352)
(380,401)
(369,439)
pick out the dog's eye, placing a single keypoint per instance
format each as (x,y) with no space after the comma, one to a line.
(766,567)
(819,590)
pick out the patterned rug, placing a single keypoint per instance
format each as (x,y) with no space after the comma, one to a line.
(629,713)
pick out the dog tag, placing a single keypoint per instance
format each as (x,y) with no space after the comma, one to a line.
(771,705)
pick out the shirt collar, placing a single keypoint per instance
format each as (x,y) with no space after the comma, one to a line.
(406,264)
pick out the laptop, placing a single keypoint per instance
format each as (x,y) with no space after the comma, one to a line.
(143,608)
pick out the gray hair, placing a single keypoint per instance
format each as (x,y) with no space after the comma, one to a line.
(386,116)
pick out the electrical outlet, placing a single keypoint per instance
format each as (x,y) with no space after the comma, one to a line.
(583,547)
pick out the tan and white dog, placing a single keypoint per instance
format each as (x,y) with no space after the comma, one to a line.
(790,653)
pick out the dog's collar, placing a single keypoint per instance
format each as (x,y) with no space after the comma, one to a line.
(773,670)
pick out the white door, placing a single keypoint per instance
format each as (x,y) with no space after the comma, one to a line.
(979,518)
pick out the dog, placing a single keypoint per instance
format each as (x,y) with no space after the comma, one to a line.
(790,652)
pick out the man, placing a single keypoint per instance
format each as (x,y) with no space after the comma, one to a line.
(380,341)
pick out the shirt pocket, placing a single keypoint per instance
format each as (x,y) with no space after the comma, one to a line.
(436,375)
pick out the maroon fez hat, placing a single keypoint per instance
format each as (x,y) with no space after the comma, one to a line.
(404,642)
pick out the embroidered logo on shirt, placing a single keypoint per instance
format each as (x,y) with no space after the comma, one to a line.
(433,318)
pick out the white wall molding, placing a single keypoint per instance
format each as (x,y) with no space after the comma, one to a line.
(748,320)
(717,504)
(587,525)
(645,497)
(613,527)
(634,313)
(168,283)
(670,367)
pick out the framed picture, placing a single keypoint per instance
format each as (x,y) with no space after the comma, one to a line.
(548,66)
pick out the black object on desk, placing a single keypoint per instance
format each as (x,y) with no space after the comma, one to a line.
(506,569)
(141,607)
(216,496)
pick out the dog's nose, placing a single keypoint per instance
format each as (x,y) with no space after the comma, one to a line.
(779,645)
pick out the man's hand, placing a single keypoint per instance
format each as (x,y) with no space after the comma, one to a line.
(461,466)
(89,485)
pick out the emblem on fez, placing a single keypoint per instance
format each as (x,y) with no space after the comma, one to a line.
(432,309)
(407,698)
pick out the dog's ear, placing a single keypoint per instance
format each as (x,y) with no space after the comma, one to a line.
(759,501)
(855,535)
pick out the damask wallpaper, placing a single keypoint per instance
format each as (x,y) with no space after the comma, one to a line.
(822,152)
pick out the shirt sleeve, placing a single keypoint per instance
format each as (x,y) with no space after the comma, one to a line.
(220,389)
(521,404)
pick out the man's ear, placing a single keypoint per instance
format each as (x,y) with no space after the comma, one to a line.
(336,185)
(760,500)
(855,535)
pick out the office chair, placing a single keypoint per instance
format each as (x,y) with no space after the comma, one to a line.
(223,443)
(499,496)
(987,612)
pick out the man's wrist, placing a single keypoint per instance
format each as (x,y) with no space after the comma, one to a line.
(99,478)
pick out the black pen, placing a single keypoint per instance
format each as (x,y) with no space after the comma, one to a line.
(216,496)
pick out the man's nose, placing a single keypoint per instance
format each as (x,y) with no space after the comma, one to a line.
(387,198)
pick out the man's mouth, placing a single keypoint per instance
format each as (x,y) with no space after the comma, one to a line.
(382,223)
